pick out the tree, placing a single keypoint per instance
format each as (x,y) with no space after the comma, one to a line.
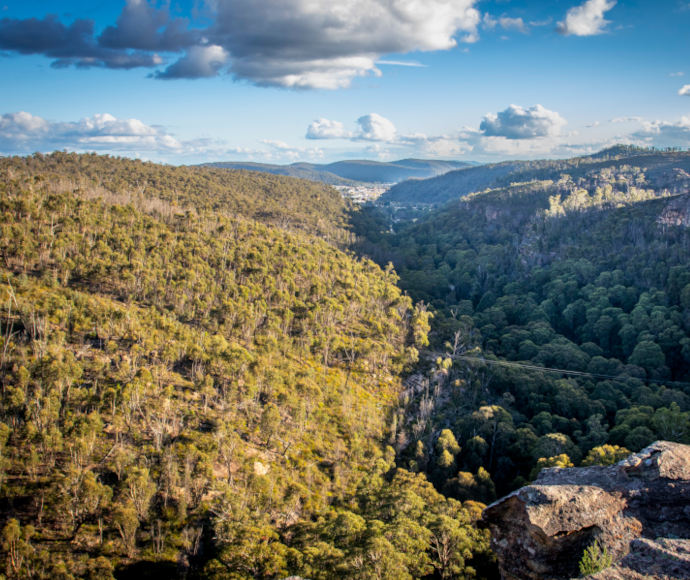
(126,523)
(605,455)
(648,355)
(270,421)
(139,489)
(16,542)
(561,461)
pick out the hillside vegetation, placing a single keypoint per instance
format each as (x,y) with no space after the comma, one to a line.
(199,380)
(289,203)
(587,275)
(663,169)
(196,382)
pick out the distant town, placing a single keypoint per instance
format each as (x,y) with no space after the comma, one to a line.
(364,192)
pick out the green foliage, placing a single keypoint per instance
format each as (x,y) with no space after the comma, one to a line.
(560,461)
(399,527)
(595,559)
(576,266)
(446,442)
(191,371)
(605,455)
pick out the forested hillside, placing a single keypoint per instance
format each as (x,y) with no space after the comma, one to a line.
(196,382)
(662,169)
(561,329)
(200,380)
(289,203)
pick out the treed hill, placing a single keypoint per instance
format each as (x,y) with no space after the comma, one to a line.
(663,169)
(347,172)
(291,204)
(561,329)
(196,383)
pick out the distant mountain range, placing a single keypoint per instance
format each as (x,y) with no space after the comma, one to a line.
(354,171)
(663,169)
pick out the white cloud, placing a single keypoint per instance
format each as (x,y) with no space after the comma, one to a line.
(274,42)
(684,91)
(488,21)
(618,120)
(21,125)
(374,127)
(515,122)
(301,44)
(371,127)
(665,133)
(676,74)
(439,146)
(23,132)
(279,151)
(326,129)
(326,74)
(513,24)
(586,19)
(512,147)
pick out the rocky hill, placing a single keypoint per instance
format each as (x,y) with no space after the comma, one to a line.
(637,510)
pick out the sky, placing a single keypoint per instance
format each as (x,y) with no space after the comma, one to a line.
(282,81)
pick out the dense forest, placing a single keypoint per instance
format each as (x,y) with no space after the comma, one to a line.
(561,323)
(212,373)
(198,380)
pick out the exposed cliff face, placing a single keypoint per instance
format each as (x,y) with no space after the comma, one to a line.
(639,509)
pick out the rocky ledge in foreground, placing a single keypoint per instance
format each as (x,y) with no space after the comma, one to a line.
(639,509)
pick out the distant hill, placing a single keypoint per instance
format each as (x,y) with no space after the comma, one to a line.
(352,171)
(663,169)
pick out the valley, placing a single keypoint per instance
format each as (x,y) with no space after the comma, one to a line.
(214,373)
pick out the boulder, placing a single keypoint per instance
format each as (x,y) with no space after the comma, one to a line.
(639,509)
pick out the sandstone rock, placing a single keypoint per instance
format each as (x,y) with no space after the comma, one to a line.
(639,509)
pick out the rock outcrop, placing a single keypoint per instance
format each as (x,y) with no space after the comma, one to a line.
(639,509)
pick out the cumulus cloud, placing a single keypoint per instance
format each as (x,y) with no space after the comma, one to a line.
(516,132)
(586,19)
(371,127)
(327,129)
(515,122)
(23,132)
(143,26)
(68,45)
(307,44)
(684,91)
(665,133)
(198,62)
(374,127)
(286,43)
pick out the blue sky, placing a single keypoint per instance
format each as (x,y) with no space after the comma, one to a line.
(313,80)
